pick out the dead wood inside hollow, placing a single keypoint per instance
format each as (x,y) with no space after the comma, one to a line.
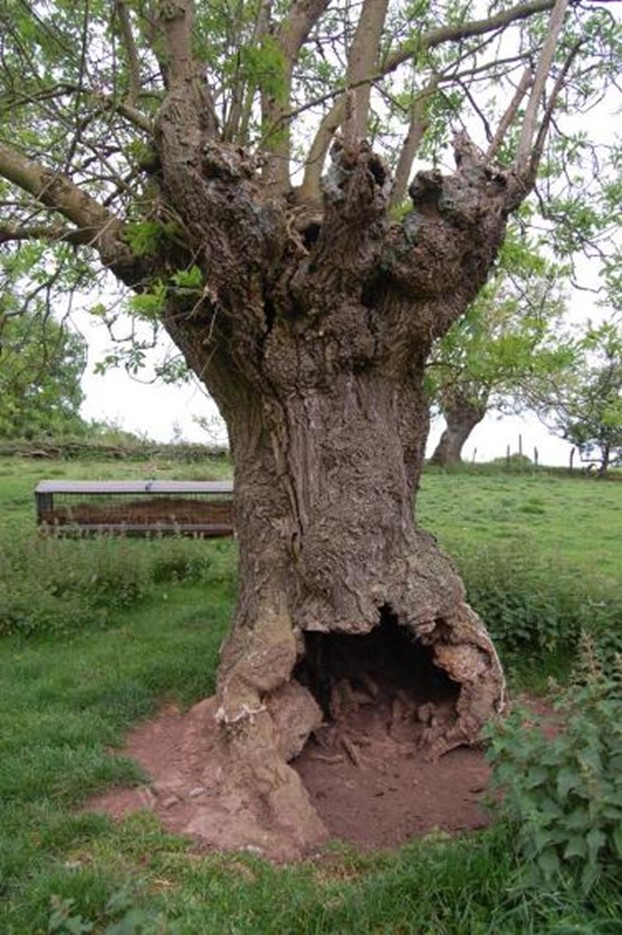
(387,670)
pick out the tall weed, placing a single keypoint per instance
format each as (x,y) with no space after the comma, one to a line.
(534,605)
(561,782)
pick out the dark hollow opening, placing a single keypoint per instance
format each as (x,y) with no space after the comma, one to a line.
(382,665)
(311,234)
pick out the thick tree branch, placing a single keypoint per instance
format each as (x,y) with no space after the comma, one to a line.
(330,123)
(300,20)
(290,37)
(97,226)
(522,162)
(363,61)
(510,115)
(131,52)
(186,79)
(416,131)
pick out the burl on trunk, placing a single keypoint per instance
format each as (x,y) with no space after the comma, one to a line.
(312,333)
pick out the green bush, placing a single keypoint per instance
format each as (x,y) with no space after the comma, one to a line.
(27,608)
(174,561)
(561,783)
(532,606)
(58,586)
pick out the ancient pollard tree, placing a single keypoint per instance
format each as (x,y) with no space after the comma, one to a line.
(245,170)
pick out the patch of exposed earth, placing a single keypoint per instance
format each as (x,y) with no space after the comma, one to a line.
(368,779)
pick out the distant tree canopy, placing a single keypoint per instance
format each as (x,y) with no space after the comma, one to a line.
(584,403)
(41,365)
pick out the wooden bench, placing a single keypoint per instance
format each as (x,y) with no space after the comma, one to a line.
(136,508)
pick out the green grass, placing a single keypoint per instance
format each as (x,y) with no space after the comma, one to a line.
(70,690)
(578,520)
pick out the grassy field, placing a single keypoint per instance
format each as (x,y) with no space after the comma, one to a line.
(98,634)
(575,519)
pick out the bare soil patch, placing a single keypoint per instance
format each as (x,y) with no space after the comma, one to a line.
(374,790)
(370,783)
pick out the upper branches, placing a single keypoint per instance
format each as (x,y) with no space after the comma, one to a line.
(87,118)
(96,225)
(417,50)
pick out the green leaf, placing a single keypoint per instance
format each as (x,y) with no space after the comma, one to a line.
(595,840)
(549,864)
(576,847)
(537,776)
(567,779)
(188,278)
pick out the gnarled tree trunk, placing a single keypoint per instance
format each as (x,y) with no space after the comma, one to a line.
(461,414)
(312,333)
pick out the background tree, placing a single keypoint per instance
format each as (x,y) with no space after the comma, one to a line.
(183,146)
(583,404)
(41,366)
(509,335)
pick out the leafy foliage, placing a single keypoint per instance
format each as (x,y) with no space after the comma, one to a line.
(509,336)
(585,406)
(535,606)
(50,586)
(41,364)
(563,793)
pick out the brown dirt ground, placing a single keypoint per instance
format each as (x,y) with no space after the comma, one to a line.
(371,785)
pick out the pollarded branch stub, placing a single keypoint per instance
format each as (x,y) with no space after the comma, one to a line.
(227,162)
(510,186)
(426,189)
(468,199)
(358,183)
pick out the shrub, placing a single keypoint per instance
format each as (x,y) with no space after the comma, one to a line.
(58,586)
(176,560)
(27,608)
(533,606)
(563,792)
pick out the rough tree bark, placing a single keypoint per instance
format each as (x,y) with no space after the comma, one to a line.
(311,331)
(462,414)
(312,338)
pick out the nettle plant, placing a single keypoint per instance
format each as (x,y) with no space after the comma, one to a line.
(560,778)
